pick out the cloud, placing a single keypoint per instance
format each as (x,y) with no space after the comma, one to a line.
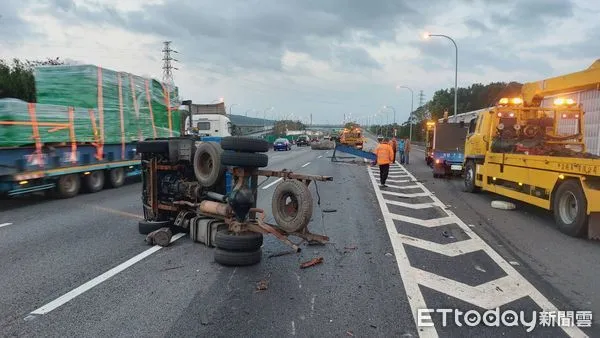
(307,56)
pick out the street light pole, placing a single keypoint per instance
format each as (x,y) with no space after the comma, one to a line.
(455,71)
(410,116)
(235,104)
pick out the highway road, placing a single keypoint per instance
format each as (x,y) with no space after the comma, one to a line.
(78,267)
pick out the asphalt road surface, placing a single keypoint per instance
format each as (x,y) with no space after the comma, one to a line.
(78,267)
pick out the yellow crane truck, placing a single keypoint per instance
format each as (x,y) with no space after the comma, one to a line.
(536,153)
(352,137)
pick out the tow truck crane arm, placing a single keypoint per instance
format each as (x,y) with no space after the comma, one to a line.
(534,92)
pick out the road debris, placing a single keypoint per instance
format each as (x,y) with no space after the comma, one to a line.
(503,205)
(349,333)
(160,237)
(262,285)
(282,253)
(312,262)
(329,210)
(388,254)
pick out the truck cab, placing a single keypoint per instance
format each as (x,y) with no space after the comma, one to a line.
(208,125)
(537,155)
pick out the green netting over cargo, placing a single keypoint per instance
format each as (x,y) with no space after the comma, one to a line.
(143,101)
(53,121)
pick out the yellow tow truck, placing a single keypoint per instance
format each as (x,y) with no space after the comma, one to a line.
(352,137)
(536,153)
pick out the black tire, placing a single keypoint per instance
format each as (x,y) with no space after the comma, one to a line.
(146,227)
(246,241)
(244,144)
(290,220)
(207,164)
(68,186)
(570,209)
(237,258)
(115,177)
(94,181)
(470,172)
(250,160)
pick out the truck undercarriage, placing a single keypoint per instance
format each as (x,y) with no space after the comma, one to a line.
(210,190)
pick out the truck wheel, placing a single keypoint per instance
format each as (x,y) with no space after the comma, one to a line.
(245,241)
(250,160)
(570,209)
(207,164)
(292,205)
(244,144)
(470,178)
(146,227)
(68,186)
(94,181)
(115,177)
(237,258)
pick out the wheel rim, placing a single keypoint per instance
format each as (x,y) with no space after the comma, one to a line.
(206,164)
(288,204)
(117,175)
(568,208)
(69,183)
(96,179)
(469,177)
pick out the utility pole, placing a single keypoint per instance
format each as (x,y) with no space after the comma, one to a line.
(311,120)
(168,66)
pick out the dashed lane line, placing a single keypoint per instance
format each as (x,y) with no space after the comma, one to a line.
(305,164)
(5,224)
(272,183)
(67,297)
(488,295)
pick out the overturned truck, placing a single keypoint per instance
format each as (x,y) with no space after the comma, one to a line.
(208,188)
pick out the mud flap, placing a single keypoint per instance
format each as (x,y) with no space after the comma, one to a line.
(594,226)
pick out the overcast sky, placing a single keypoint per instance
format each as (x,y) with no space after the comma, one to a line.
(321,57)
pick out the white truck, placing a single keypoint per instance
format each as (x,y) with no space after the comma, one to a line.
(207,120)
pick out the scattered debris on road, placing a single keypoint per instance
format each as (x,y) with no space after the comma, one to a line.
(160,237)
(349,333)
(329,210)
(282,253)
(388,254)
(262,285)
(503,205)
(312,262)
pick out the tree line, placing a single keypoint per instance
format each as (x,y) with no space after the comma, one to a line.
(16,77)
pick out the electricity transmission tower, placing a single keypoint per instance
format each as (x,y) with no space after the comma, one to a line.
(168,66)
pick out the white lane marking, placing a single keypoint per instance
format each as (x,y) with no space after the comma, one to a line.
(399,194)
(488,295)
(412,205)
(320,156)
(305,164)
(293,328)
(5,224)
(272,183)
(312,305)
(402,186)
(451,249)
(67,297)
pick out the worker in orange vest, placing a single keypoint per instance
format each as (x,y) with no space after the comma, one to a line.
(394,144)
(385,155)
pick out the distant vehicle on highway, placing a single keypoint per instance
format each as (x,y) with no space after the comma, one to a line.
(282,144)
(303,140)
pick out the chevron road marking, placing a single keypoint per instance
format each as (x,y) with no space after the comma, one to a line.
(489,295)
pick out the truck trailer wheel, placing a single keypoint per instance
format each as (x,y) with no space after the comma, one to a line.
(146,227)
(207,164)
(292,205)
(245,241)
(115,177)
(249,160)
(244,144)
(470,177)
(570,209)
(94,181)
(237,258)
(68,186)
